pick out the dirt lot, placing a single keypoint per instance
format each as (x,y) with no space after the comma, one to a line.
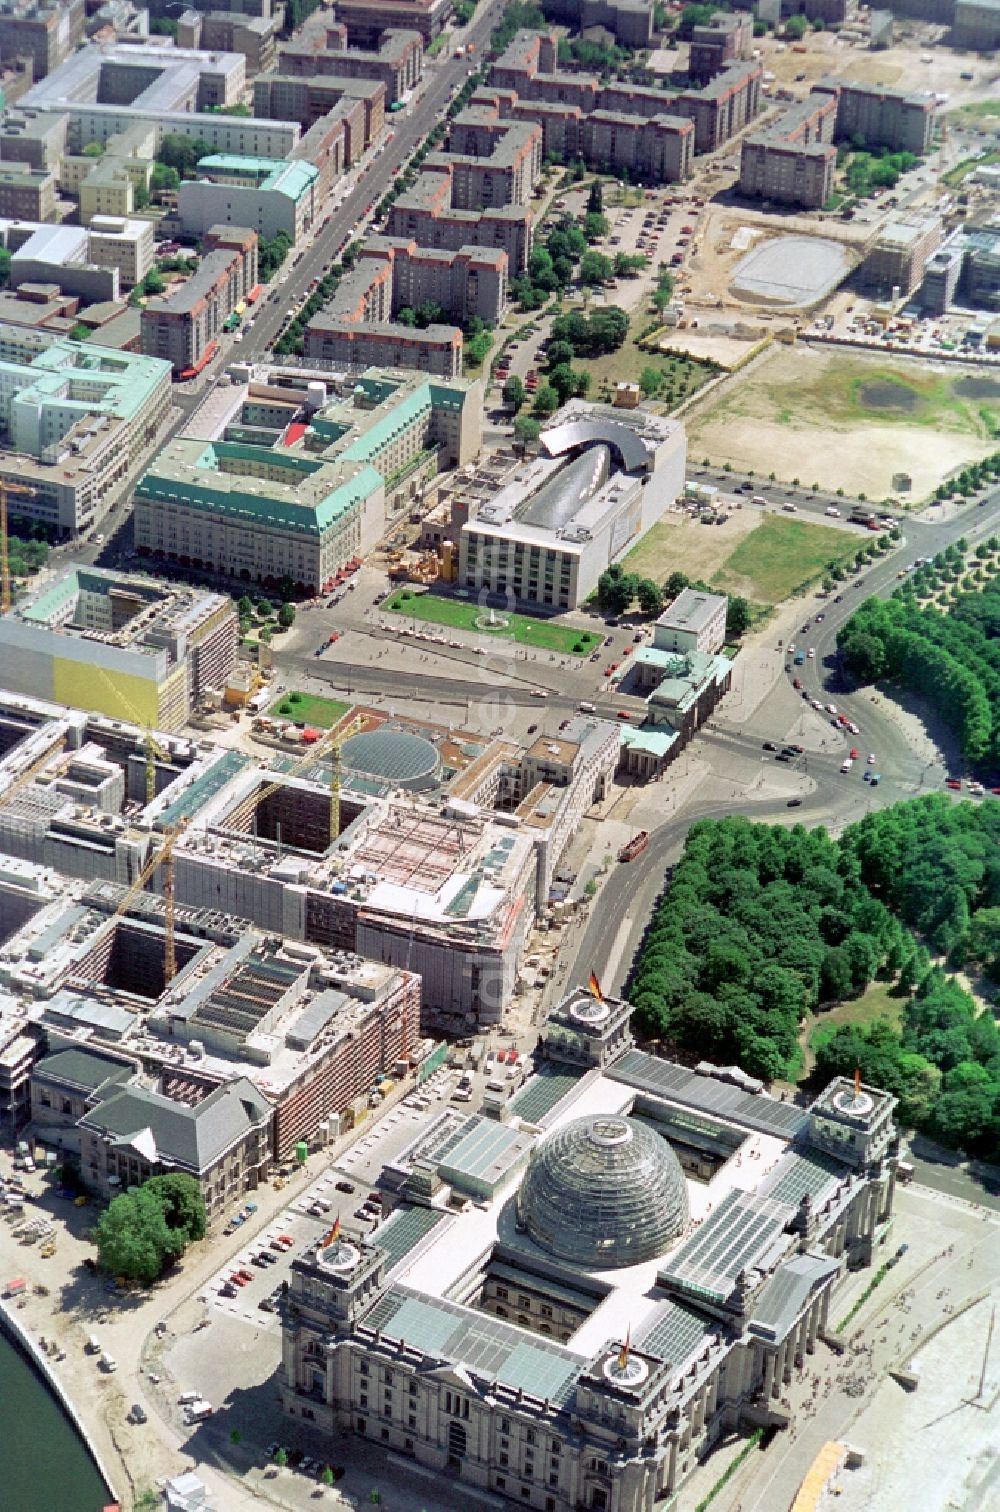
(677,543)
(848,421)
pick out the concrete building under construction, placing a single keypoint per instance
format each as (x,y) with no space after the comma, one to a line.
(120,645)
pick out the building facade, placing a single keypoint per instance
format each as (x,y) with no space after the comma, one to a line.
(183,328)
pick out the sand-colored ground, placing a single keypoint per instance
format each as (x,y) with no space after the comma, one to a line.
(677,543)
(796,413)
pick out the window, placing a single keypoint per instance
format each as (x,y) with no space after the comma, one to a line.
(360,1425)
(529,1437)
(385,1433)
(503,1458)
(411,1421)
(500,1482)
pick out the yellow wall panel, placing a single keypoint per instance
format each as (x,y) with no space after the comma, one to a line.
(116,694)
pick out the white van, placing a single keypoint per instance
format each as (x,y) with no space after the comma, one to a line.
(108,1363)
(187,1397)
(199,1411)
(586,708)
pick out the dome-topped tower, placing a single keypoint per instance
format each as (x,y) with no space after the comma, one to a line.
(603,1192)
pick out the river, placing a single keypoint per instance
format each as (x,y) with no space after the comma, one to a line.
(46,1467)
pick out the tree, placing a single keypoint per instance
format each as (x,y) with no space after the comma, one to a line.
(596,227)
(568,383)
(595,268)
(327,1476)
(675,584)
(616,589)
(796,27)
(141,1232)
(650,596)
(271,253)
(286,616)
(93,150)
(738,616)
(527,430)
(546,399)
(154,282)
(595,198)
(244,607)
(513,393)
(182,1203)
(280,1457)
(181,152)
(650,380)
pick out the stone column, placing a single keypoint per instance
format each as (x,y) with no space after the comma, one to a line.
(814,1312)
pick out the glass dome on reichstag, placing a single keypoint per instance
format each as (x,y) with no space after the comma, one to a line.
(603,1192)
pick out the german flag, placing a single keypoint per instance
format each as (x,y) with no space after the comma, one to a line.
(595,987)
(625,1351)
(333,1235)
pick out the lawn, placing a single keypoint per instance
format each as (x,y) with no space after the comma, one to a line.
(874,1005)
(308,709)
(683,375)
(547,634)
(781,556)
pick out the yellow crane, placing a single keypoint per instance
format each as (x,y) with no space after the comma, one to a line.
(164,857)
(5,489)
(331,744)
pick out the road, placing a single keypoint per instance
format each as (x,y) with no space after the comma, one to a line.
(631,890)
(411,126)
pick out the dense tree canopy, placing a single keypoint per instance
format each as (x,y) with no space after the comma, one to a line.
(143,1231)
(761,925)
(951,659)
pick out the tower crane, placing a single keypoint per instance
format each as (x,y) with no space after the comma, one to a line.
(164,857)
(331,744)
(5,489)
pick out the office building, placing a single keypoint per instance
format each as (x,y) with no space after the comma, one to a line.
(267,196)
(693,621)
(359,103)
(77,422)
(127,245)
(567,1304)
(898,256)
(27,193)
(255,37)
(941,276)
(130,1130)
(302,509)
(602,478)
(119,645)
(629,21)
(183,327)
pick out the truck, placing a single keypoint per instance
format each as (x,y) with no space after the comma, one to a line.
(861,516)
(634,847)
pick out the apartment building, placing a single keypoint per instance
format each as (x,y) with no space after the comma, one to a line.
(976,25)
(255,37)
(340,343)
(490,161)
(726,39)
(891,118)
(397,62)
(525,80)
(45,31)
(629,21)
(659,148)
(262,193)
(27,193)
(183,327)
(307,100)
(792,162)
(367,20)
